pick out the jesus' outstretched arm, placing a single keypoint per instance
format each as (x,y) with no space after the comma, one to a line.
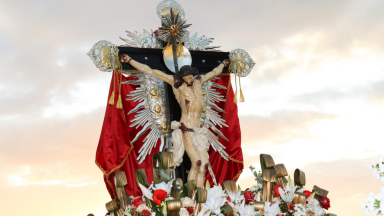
(146,69)
(215,72)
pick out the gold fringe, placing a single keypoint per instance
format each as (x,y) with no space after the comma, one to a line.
(235,98)
(237,175)
(112,99)
(241,96)
(119,104)
(106,175)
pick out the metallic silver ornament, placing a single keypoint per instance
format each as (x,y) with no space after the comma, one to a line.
(184,58)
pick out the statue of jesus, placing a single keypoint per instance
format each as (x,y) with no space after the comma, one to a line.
(189,133)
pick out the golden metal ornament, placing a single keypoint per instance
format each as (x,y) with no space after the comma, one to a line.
(174,30)
(164,128)
(230,185)
(299,198)
(299,178)
(154,94)
(158,110)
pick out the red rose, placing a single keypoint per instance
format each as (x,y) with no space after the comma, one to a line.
(190,210)
(137,201)
(291,207)
(279,215)
(324,202)
(159,195)
(146,212)
(249,197)
(276,190)
(308,193)
(157,201)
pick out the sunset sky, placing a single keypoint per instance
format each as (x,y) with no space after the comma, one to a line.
(314,100)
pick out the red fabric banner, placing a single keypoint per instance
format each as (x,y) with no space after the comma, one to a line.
(227,170)
(116,153)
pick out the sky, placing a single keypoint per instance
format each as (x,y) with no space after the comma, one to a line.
(314,100)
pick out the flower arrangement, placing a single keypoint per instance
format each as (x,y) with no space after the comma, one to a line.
(222,201)
(374,203)
(272,195)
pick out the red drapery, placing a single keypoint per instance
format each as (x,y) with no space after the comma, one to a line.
(116,153)
(227,170)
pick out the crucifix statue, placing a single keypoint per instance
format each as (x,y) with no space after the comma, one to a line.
(189,132)
(174,101)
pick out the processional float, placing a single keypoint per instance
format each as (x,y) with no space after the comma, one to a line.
(170,93)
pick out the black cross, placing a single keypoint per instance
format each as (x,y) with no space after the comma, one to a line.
(204,61)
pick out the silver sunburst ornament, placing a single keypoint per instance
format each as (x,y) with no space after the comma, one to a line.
(174,28)
(145,40)
(98,56)
(199,43)
(164,8)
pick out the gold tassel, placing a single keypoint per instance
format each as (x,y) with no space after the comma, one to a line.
(119,104)
(241,96)
(235,98)
(112,99)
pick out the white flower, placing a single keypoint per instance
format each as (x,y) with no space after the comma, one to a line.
(235,198)
(364,208)
(256,187)
(376,174)
(215,191)
(183,212)
(142,207)
(299,210)
(370,201)
(214,204)
(164,186)
(187,202)
(375,212)
(271,210)
(243,210)
(146,192)
(287,194)
(370,166)
(202,211)
(315,206)
(381,167)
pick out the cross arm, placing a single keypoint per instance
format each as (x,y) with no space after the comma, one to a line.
(146,69)
(215,72)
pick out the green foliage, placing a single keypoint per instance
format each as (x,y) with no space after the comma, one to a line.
(207,185)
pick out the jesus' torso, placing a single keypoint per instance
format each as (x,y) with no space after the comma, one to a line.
(191,103)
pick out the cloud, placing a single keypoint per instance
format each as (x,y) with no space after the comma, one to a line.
(53,98)
(280,127)
(372,93)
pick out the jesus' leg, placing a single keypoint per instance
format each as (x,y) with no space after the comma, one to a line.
(202,169)
(193,156)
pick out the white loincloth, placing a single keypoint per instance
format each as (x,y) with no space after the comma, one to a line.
(199,139)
